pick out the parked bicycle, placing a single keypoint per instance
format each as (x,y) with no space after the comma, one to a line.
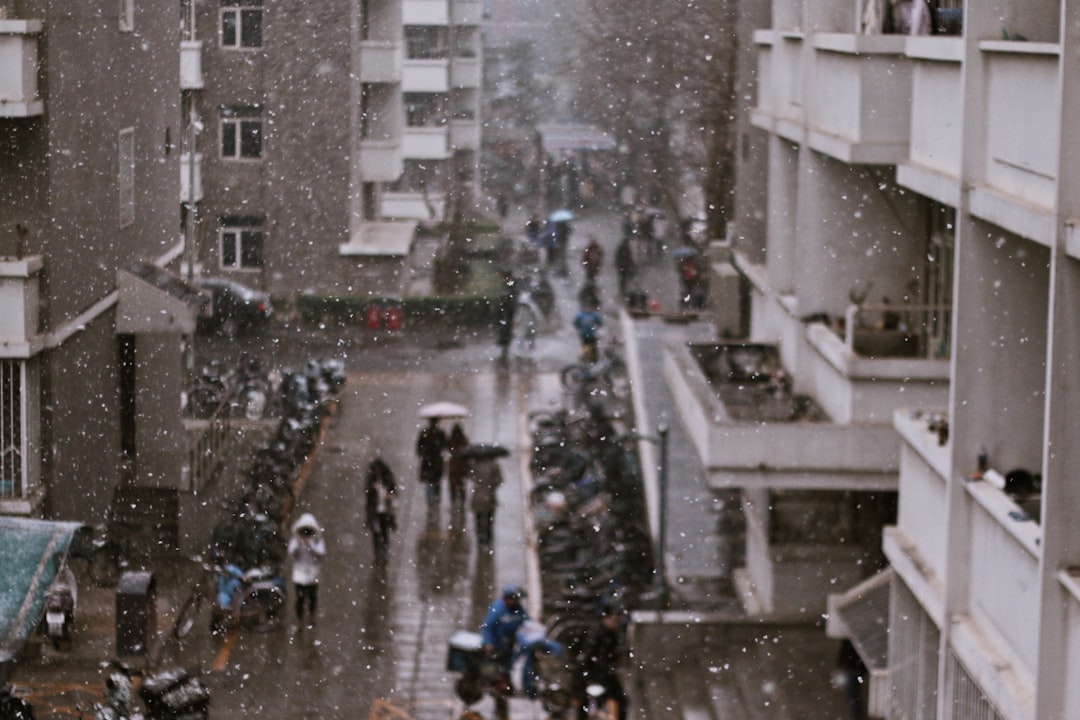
(253,599)
(608,374)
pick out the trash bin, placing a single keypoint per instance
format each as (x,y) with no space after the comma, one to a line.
(136,612)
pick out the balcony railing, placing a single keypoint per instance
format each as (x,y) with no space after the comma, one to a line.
(465,72)
(898,331)
(425,76)
(19,68)
(381,160)
(381,61)
(426,12)
(466,12)
(465,134)
(426,143)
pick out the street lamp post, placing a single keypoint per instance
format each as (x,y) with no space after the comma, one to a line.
(661,540)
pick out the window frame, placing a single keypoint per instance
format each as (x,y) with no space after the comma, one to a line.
(237,10)
(232,126)
(234,232)
(125,177)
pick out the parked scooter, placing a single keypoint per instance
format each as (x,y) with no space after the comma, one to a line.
(61,600)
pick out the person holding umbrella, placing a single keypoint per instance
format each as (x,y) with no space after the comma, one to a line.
(486,477)
(430,444)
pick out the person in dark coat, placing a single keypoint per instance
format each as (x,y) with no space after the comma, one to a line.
(430,445)
(380,492)
(485,476)
(625,266)
(457,465)
(599,661)
(505,308)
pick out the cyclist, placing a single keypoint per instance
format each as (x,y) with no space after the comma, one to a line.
(587,323)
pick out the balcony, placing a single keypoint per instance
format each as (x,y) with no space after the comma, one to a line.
(19,68)
(1022,147)
(189,176)
(381,61)
(857,105)
(465,72)
(466,12)
(19,293)
(465,134)
(426,76)
(426,12)
(413,205)
(924,465)
(426,143)
(749,432)
(191,75)
(933,165)
(780,101)
(1004,544)
(381,160)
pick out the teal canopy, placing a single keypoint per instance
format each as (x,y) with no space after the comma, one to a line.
(31,553)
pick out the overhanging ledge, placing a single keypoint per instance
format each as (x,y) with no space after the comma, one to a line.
(386,239)
(153,300)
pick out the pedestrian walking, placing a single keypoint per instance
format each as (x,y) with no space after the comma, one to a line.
(625,266)
(485,476)
(562,243)
(506,307)
(306,550)
(600,653)
(533,228)
(587,323)
(591,259)
(457,466)
(430,444)
(499,628)
(380,494)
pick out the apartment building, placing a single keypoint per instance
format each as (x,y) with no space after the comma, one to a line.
(918,263)
(91,321)
(323,138)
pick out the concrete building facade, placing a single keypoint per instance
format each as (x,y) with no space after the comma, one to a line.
(918,263)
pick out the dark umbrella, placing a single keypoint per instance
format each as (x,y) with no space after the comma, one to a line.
(683,251)
(483,450)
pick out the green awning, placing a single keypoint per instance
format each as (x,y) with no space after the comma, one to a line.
(31,553)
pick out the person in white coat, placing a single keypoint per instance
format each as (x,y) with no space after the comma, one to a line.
(307,548)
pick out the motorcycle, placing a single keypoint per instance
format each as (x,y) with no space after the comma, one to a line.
(60,603)
(172,694)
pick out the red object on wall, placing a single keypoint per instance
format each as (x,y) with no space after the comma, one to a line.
(393,317)
(373,317)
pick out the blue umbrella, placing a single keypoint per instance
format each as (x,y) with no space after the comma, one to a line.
(561,216)
(683,251)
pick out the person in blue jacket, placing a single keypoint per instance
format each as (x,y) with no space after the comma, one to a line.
(499,630)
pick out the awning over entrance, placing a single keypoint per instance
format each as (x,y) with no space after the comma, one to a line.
(556,138)
(31,552)
(389,239)
(153,300)
(862,615)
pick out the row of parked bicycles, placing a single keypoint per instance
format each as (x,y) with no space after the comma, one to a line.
(242,580)
(594,544)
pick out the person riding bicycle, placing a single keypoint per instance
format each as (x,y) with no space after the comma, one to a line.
(504,618)
(587,323)
(599,660)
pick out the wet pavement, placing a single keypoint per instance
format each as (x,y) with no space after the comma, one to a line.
(379,647)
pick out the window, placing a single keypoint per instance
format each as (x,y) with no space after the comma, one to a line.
(241,133)
(126,176)
(127,15)
(241,23)
(241,243)
(12,445)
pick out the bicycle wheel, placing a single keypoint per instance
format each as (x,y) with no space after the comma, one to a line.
(262,609)
(105,566)
(573,377)
(618,379)
(189,613)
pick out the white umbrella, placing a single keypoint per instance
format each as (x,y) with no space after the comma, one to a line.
(444,410)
